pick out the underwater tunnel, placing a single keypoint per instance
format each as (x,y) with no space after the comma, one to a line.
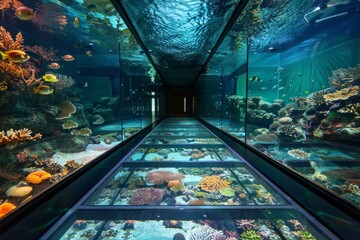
(179,120)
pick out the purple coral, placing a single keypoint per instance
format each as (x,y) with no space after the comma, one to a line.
(147,196)
(246,224)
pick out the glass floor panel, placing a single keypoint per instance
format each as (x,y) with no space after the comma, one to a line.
(252,224)
(185,187)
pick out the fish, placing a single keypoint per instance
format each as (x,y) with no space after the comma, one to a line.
(335,105)
(280,80)
(86,84)
(281,88)
(15,56)
(255,79)
(24,13)
(275,86)
(280,69)
(54,65)
(89,53)
(299,74)
(284,95)
(68,58)
(78,45)
(43,90)
(263,88)
(306,92)
(76,22)
(50,78)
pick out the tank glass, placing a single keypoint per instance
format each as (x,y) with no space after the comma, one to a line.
(286,81)
(74,83)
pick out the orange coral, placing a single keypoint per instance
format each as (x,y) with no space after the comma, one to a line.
(342,94)
(67,108)
(161,177)
(5,208)
(8,43)
(3,86)
(14,136)
(173,183)
(37,177)
(213,183)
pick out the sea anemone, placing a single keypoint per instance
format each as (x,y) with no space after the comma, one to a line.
(19,190)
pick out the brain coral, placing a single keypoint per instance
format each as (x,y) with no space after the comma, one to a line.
(213,183)
(161,177)
(37,177)
(147,196)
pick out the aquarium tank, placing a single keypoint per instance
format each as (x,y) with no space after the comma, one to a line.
(285,80)
(74,83)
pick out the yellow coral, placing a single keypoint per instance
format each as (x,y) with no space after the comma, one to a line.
(14,136)
(82,132)
(213,183)
(37,177)
(342,94)
(3,86)
(7,42)
(69,125)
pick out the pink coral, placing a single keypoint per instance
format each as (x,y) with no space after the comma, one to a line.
(161,177)
(147,196)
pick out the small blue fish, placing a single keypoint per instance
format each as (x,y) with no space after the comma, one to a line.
(275,86)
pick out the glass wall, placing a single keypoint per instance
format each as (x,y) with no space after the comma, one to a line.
(297,76)
(73,84)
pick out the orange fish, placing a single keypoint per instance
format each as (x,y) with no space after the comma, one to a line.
(68,58)
(54,65)
(24,13)
(15,56)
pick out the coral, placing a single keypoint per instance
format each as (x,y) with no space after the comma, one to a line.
(344,76)
(173,183)
(14,136)
(351,188)
(7,42)
(342,94)
(266,139)
(290,132)
(305,235)
(161,177)
(246,224)
(177,187)
(197,202)
(213,183)
(299,154)
(7,172)
(31,80)
(147,196)
(85,132)
(227,192)
(23,155)
(353,108)
(43,54)
(3,86)
(251,235)
(37,177)
(5,208)
(204,233)
(19,190)
(64,81)
(69,125)
(285,120)
(67,108)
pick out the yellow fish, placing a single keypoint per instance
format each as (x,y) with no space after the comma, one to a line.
(76,22)
(15,56)
(24,13)
(43,90)
(50,78)
(306,92)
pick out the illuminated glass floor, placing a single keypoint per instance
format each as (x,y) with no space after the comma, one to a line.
(182,182)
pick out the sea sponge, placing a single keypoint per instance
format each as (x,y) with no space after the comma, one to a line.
(213,183)
(19,190)
(67,108)
(37,177)
(5,208)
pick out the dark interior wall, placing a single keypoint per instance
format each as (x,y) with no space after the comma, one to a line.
(174,98)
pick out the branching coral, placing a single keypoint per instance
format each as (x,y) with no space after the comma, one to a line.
(64,81)
(147,196)
(353,108)
(344,76)
(14,4)
(8,43)
(213,183)
(43,54)
(205,232)
(162,177)
(342,94)
(14,136)
(299,154)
